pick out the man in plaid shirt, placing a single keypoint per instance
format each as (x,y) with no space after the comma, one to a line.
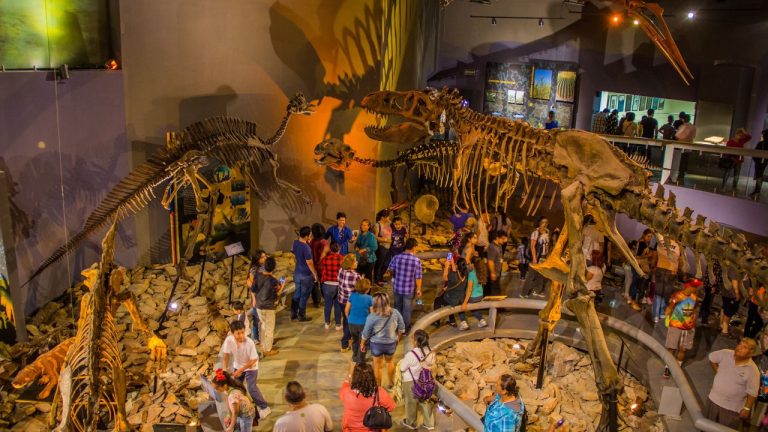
(329,267)
(406,270)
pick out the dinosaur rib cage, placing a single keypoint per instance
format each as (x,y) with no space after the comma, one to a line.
(83,414)
(487,172)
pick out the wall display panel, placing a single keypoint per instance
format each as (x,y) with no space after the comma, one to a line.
(663,107)
(511,91)
(620,105)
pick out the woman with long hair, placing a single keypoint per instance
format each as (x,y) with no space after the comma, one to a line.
(366,247)
(257,266)
(240,409)
(467,246)
(347,279)
(357,396)
(505,410)
(455,281)
(595,273)
(319,247)
(383,329)
(420,357)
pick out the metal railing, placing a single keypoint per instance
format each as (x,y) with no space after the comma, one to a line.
(624,329)
(698,162)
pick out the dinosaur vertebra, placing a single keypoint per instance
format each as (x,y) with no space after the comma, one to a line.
(231,141)
(593,176)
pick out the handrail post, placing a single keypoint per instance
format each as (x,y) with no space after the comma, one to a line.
(543,358)
(492,315)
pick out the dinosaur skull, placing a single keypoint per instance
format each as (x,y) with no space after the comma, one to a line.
(334,154)
(651,21)
(299,105)
(422,113)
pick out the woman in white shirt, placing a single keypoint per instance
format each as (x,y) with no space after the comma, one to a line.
(421,356)
(595,273)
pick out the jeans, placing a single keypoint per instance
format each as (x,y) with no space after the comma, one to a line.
(492,287)
(356,331)
(638,287)
(412,406)
(382,261)
(627,278)
(316,295)
(475,313)
(345,337)
(754,321)
(534,283)
(523,270)
(267,323)
(245,424)
(706,305)
(366,269)
(255,324)
(659,305)
(304,285)
(329,295)
(734,170)
(404,305)
(248,378)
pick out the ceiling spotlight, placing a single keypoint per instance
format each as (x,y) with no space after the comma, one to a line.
(636,22)
(615,18)
(691,15)
(541,22)
(493,20)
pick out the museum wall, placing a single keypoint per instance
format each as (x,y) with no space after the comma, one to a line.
(610,58)
(63,144)
(187,60)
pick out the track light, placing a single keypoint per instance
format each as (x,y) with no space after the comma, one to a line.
(111,64)
(493,20)
(615,19)
(691,15)
(541,22)
(636,22)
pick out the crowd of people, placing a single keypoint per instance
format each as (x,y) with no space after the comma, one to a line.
(345,269)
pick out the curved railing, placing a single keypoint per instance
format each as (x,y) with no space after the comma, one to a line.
(618,326)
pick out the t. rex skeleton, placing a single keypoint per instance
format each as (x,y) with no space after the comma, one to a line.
(232,141)
(496,154)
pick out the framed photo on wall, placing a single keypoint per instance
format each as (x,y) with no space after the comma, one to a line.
(635,103)
(655,104)
(620,105)
(566,86)
(541,85)
(643,100)
(613,102)
(661,104)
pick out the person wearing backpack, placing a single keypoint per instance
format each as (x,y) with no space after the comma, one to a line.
(418,382)
(506,410)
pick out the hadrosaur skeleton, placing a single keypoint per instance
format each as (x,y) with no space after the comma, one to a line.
(232,141)
(495,155)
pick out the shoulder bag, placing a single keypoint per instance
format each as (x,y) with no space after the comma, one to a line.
(455,294)
(377,417)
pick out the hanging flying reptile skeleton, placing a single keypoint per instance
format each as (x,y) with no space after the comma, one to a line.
(496,155)
(85,363)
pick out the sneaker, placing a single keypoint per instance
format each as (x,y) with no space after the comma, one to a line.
(463,325)
(264,412)
(345,349)
(525,296)
(636,306)
(338,328)
(327,325)
(667,374)
(428,428)
(271,352)
(482,323)
(452,323)
(408,425)
(655,320)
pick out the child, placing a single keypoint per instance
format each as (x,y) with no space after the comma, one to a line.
(522,257)
(245,363)
(399,235)
(239,406)
(240,315)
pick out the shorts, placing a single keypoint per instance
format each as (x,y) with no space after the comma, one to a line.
(383,349)
(678,338)
(730,306)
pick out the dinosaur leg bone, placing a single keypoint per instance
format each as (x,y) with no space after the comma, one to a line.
(118,385)
(606,223)
(65,391)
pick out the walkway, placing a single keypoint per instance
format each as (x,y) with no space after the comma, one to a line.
(311,355)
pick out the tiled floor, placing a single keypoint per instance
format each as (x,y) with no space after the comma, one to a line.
(311,355)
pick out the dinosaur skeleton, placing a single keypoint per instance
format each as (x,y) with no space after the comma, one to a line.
(496,155)
(232,141)
(650,18)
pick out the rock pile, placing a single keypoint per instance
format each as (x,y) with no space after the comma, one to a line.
(193,336)
(470,370)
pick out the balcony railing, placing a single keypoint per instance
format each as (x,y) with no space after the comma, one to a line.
(698,163)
